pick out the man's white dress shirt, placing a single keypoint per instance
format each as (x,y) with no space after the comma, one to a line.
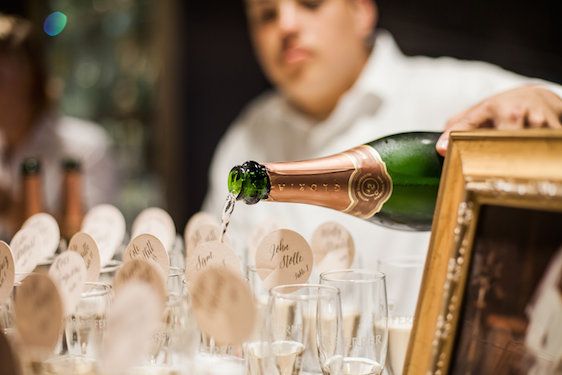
(393,94)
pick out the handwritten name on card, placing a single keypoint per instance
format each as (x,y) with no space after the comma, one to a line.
(213,254)
(86,246)
(68,271)
(146,246)
(106,224)
(25,246)
(48,230)
(223,305)
(39,313)
(287,256)
(258,234)
(141,270)
(201,234)
(7,271)
(332,246)
(197,220)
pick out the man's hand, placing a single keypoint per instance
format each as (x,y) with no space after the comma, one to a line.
(523,107)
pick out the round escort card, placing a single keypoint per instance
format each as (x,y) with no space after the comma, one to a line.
(39,314)
(11,364)
(135,316)
(147,246)
(143,270)
(257,235)
(68,271)
(284,257)
(48,229)
(332,246)
(7,271)
(26,248)
(106,224)
(207,255)
(157,222)
(223,306)
(201,234)
(197,220)
(86,246)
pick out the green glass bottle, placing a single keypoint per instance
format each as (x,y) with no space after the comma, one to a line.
(392,181)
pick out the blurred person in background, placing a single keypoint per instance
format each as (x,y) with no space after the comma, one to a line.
(30,126)
(339,84)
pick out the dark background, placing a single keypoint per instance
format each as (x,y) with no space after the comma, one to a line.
(213,73)
(221,75)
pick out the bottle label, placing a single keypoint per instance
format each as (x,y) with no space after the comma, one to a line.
(370,185)
(355,182)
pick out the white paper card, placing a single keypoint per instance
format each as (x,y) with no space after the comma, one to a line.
(198,219)
(68,271)
(7,271)
(213,254)
(223,305)
(287,256)
(133,319)
(157,222)
(147,246)
(48,230)
(333,247)
(26,248)
(86,246)
(106,224)
(39,314)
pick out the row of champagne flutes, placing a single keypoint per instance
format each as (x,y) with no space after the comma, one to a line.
(339,326)
(172,346)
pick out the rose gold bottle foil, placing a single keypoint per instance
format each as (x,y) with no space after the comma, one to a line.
(355,182)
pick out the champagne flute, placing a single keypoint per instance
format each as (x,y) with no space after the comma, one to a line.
(403,274)
(289,347)
(84,331)
(359,345)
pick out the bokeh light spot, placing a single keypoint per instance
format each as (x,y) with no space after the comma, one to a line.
(54,23)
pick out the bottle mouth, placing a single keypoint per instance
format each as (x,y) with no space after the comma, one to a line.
(235,181)
(249,182)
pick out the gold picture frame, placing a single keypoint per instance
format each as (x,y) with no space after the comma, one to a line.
(512,169)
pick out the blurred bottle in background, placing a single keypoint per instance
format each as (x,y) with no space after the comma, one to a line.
(72,211)
(32,198)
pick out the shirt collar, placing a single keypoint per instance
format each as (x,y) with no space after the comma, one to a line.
(381,73)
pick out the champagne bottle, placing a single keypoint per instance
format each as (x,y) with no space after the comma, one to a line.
(72,205)
(392,181)
(32,200)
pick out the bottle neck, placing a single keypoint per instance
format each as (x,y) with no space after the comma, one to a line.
(73,210)
(355,182)
(32,195)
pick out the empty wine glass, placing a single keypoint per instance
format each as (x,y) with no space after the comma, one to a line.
(359,345)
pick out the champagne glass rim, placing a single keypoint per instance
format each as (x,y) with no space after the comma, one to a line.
(97,289)
(175,271)
(293,291)
(254,268)
(111,266)
(364,276)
